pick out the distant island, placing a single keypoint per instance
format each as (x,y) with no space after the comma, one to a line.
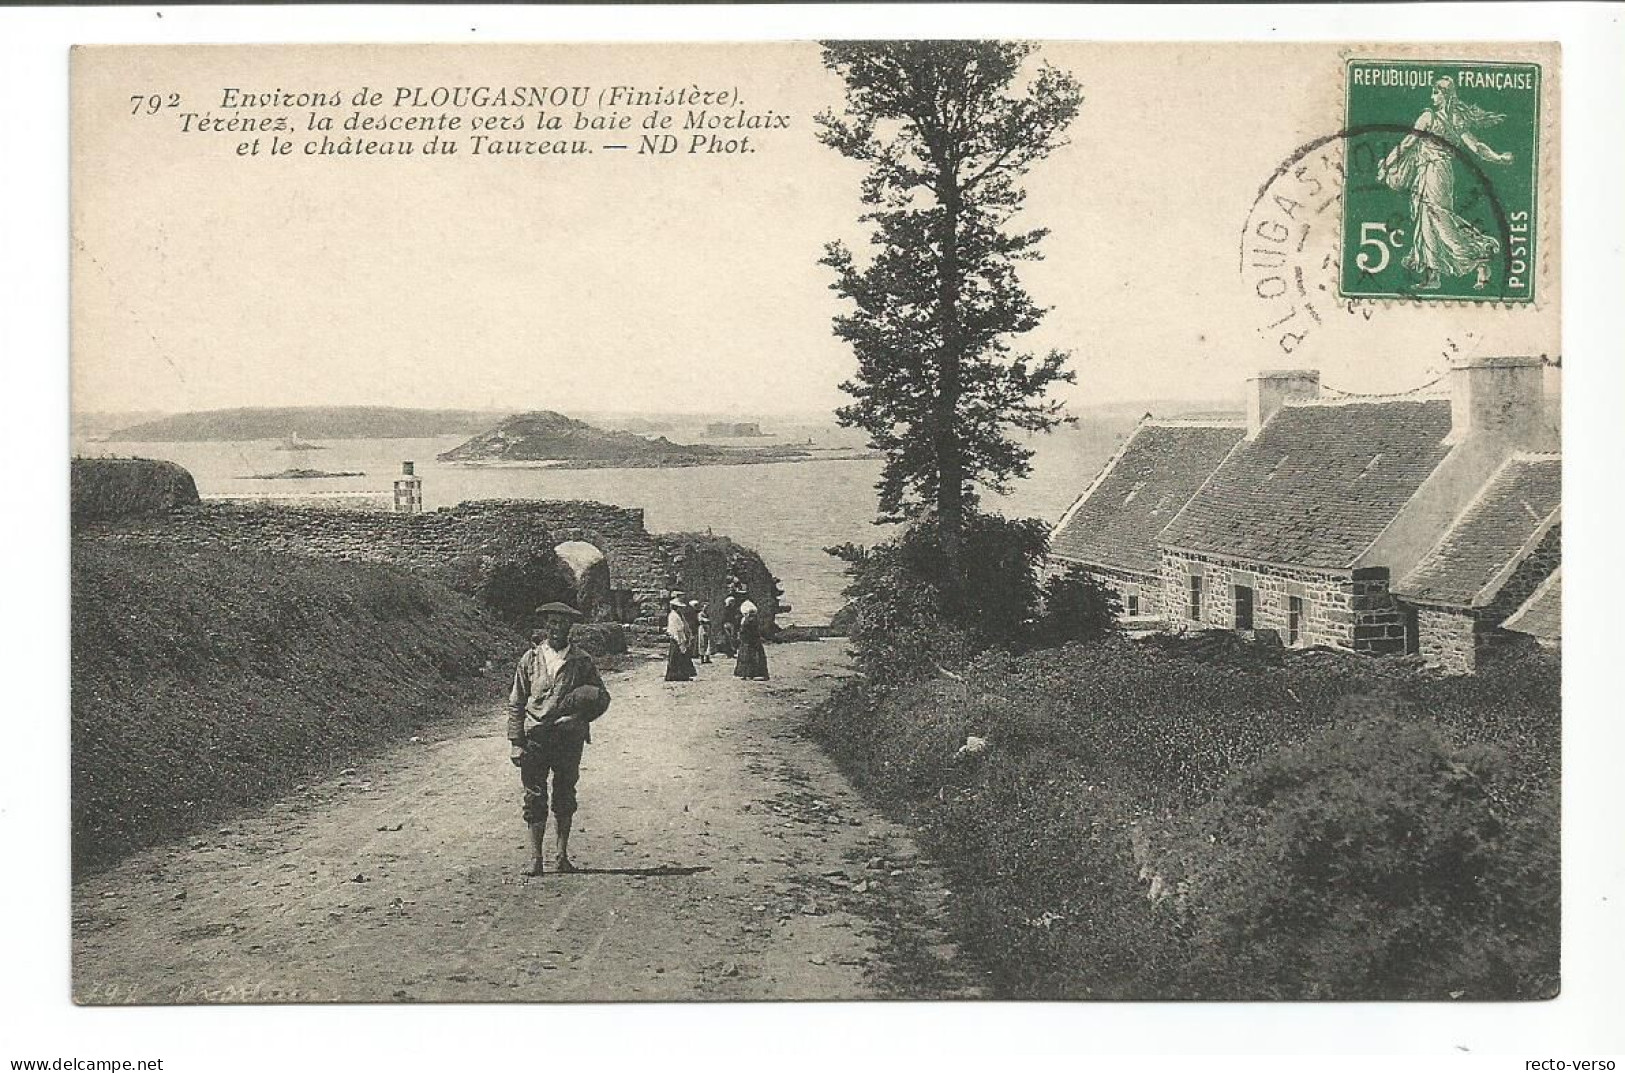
(546,437)
(288,423)
(734,429)
(297,475)
(639,424)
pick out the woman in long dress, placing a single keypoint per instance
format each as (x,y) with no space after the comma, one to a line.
(679,664)
(752,661)
(728,641)
(1443,243)
(703,636)
(691,615)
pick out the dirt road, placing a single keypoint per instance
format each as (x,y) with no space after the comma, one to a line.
(725,859)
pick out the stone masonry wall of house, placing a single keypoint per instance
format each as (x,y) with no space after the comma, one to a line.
(1448,639)
(638,562)
(1343,609)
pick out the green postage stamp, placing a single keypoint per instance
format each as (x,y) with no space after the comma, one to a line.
(1442,173)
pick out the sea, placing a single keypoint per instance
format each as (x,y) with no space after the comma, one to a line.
(789,511)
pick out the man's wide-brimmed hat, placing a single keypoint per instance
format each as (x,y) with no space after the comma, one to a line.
(557,608)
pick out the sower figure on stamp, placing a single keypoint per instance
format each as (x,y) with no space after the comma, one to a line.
(1442,242)
(556,693)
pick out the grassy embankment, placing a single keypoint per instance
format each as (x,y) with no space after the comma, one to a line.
(206,681)
(1149,823)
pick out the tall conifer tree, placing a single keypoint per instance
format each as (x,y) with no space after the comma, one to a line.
(947,129)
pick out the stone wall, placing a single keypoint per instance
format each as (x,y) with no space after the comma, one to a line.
(643,569)
(702,567)
(1350,609)
(425,543)
(1448,639)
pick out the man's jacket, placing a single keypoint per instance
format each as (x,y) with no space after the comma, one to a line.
(543,701)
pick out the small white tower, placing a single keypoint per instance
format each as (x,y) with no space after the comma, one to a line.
(408,491)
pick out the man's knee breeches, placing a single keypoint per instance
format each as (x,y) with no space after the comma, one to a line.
(543,757)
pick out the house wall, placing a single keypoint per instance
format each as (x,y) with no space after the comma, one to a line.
(1122,583)
(1448,638)
(1344,609)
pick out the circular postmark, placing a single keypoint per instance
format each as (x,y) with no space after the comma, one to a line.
(1308,268)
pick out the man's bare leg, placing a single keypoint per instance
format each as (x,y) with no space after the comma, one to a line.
(533,835)
(563,863)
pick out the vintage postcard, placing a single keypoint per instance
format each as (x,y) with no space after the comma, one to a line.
(844,520)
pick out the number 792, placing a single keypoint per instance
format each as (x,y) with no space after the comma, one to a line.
(152,103)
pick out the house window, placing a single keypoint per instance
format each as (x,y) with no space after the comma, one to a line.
(1294,619)
(1133,602)
(1244,607)
(1196,598)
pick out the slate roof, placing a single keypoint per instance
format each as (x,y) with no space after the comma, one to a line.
(1116,520)
(1498,528)
(1541,615)
(1317,485)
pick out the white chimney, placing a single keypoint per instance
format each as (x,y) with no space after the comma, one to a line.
(1273,387)
(1498,396)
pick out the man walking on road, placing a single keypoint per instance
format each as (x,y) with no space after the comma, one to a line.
(556,692)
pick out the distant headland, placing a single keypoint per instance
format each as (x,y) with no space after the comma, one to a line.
(297,425)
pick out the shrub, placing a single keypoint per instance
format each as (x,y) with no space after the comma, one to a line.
(103,489)
(911,610)
(512,583)
(1369,862)
(1077,607)
(599,638)
(1098,756)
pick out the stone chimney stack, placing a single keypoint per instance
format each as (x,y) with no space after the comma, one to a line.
(1498,396)
(1271,388)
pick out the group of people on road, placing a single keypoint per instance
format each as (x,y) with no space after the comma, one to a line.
(694,636)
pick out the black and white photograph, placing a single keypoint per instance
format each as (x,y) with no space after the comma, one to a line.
(943,522)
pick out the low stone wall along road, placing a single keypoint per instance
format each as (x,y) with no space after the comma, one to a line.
(724,858)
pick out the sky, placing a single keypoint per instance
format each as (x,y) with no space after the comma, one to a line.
(690,283)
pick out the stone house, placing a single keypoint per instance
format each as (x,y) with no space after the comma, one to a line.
(1110,531)
(1308,522)
(1489,563)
